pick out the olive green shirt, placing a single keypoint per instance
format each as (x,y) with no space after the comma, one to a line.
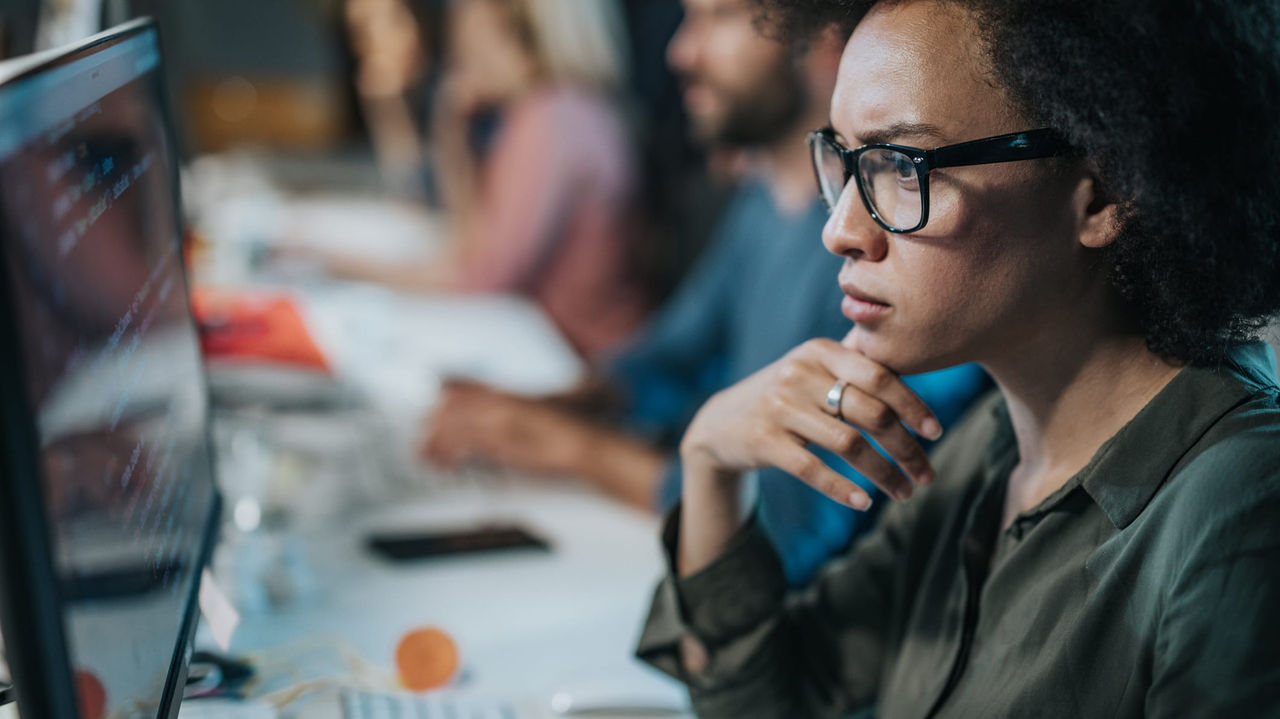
(1149,585)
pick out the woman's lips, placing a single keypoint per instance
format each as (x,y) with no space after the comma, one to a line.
(861,308)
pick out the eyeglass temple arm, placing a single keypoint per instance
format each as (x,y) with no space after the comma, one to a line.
(1029,145)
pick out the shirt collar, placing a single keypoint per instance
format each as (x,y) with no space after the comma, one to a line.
(1129,468)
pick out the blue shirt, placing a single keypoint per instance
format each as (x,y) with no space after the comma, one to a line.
(764,285)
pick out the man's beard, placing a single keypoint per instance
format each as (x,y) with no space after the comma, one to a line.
(766,113)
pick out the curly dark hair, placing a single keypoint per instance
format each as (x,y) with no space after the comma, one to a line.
(1176,105)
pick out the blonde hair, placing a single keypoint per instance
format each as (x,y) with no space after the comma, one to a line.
(576,41)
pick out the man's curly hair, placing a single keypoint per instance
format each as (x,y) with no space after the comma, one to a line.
(1176,105)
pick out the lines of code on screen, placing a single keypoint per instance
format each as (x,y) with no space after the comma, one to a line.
(111,364)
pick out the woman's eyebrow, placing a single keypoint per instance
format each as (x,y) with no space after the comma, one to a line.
(831,128)
(899,130)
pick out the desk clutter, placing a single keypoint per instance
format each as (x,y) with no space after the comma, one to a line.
(255,327)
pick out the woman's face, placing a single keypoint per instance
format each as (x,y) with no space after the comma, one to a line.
(484,51)
(1000,258)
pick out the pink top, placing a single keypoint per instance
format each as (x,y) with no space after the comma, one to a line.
(557,223)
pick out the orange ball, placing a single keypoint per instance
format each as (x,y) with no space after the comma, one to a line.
(92,695)
(427,659)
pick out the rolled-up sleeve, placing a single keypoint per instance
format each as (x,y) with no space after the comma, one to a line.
(812,653)
(728,608)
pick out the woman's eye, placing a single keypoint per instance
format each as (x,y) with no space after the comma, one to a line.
(901,169)
(883,168)
(905,168)
(896,164)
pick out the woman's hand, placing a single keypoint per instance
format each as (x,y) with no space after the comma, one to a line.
(768,419)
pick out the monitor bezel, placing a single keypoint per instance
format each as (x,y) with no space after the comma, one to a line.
(35,639)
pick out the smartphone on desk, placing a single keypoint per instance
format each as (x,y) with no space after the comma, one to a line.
(409,546)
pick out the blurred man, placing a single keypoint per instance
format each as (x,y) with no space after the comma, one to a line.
(764,286)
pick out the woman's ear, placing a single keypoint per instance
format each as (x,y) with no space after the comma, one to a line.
(1099,215)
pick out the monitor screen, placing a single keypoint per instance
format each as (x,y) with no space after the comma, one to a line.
(109,366)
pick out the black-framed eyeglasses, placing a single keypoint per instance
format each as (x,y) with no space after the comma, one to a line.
(893,180)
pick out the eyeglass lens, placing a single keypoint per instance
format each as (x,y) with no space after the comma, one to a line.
(888,178)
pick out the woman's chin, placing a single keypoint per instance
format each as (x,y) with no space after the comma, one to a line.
(896,353)
(875,346)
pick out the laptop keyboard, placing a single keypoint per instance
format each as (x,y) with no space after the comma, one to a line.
(358,704)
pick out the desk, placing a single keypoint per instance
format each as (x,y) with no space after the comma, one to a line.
(527,624)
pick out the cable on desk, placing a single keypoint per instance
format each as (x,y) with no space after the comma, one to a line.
(361,673)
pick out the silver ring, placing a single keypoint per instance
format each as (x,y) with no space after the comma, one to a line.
(835,396)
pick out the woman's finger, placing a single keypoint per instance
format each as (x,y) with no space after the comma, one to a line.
(880,421)
(878,381)
(806,385)
(799,462)
(847,442)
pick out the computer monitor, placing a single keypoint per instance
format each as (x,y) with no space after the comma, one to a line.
(108,505)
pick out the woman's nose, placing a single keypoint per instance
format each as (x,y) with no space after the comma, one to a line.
(851,232)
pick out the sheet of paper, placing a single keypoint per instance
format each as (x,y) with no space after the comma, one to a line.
(218,611)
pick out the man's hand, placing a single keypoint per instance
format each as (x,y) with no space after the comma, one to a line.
(473,423)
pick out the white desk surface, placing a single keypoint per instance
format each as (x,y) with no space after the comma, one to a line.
(527,624)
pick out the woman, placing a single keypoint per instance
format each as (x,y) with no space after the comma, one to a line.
(1100,539)
(396,61)
(546,208)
